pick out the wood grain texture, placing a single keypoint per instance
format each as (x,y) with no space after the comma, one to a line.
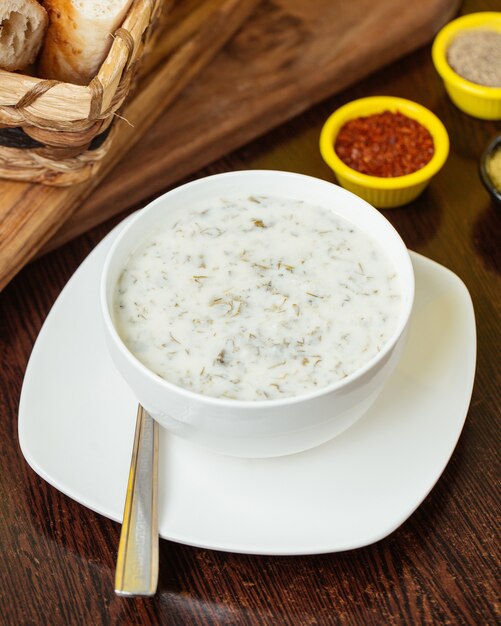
(31,214)
(440,567)
(289,55)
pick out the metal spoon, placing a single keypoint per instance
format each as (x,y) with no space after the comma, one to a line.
(137,560)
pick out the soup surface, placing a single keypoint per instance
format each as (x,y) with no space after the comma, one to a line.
(256,298)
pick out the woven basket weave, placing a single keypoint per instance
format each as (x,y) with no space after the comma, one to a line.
(58,133)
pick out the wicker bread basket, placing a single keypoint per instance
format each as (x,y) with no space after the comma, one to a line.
(58,133)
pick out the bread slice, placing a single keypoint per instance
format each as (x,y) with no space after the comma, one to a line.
(22,28)
(79,37)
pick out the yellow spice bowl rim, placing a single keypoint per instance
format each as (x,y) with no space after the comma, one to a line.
(442,41)
(377,104)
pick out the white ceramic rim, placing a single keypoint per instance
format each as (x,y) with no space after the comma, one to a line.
(250,404)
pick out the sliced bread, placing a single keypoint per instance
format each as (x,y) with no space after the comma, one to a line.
(79,37)
(22,28)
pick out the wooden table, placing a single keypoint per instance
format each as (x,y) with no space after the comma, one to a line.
(58,558)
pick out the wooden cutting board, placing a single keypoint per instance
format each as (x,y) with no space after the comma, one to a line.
(30,214)
(289,55)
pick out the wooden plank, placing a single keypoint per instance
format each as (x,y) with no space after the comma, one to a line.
(288,56)
(30,214)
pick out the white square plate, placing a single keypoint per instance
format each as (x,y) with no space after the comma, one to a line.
(77,418)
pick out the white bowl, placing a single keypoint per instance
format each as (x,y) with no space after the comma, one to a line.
(272,427)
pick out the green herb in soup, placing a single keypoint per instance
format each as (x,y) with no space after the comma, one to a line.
(256,298)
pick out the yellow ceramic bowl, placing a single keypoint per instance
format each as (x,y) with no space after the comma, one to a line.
(384,193)
(476,100)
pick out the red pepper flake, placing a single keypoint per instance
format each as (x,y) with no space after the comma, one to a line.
(385,144)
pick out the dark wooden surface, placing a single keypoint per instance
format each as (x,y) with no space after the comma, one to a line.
(288,56)
(440,567)
(30,214)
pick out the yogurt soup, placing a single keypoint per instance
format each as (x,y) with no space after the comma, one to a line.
(256,298)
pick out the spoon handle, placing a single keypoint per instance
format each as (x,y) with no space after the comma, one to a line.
(137,560)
